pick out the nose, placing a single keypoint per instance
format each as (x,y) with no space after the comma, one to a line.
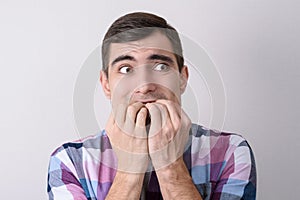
(145,88)
(145,82)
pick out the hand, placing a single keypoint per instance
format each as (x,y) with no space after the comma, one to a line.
(127,133)
(168,133)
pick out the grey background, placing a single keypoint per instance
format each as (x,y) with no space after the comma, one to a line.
(254,44)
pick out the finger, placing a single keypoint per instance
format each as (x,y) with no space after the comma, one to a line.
(130,118)
(164,112)
(140,129)
(141,117)
(174,111)
(168,132)
(132,111)
(155,114)
(179,119)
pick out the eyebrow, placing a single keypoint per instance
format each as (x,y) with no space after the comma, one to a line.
(151,57)
(161,57)
(121,58)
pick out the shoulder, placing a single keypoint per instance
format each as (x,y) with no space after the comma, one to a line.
(75,165)
(202,134)
(75,150)
(209,141)
(199,131)
(224,161)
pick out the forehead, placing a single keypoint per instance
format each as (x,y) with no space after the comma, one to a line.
(156,42)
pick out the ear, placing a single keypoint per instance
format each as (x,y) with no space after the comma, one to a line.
(184,75)
(105,84)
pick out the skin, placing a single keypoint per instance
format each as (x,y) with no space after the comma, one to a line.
(143,78)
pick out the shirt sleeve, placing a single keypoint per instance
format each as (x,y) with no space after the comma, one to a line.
(63,182)
(238,179)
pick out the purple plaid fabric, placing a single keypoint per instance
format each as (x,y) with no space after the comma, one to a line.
(221,165)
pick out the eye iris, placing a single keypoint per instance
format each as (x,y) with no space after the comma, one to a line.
(161,67)
(125,69)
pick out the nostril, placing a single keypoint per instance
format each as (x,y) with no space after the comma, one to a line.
(145,88)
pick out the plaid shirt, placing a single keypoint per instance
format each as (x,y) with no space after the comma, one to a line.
(221,165)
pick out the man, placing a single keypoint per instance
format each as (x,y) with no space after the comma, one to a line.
(149,148)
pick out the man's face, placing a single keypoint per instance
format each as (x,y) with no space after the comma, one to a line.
(144,71)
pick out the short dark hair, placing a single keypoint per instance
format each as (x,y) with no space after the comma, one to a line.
(136,26)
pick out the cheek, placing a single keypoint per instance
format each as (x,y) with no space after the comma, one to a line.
(170,82)
(122,90)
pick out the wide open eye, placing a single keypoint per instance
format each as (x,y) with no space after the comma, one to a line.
(125,69)
(161,67)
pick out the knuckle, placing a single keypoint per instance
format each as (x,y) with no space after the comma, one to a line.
(141,115)
(153,109)
(130,110)
(168,129)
